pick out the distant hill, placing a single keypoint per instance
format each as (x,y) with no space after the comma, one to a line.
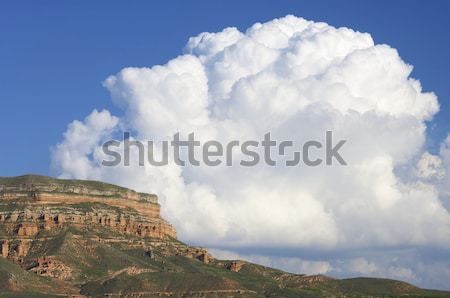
(72,238)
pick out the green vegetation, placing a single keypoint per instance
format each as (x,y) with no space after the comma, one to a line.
(17,282)
(70,187)
(43,180)
(124,264)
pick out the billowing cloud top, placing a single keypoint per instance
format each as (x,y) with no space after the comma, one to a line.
(296,79)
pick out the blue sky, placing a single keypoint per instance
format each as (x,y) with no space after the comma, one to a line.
(55,54)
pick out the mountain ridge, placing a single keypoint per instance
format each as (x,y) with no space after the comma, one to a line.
(81,238)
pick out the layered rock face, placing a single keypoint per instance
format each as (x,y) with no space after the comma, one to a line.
(30,204)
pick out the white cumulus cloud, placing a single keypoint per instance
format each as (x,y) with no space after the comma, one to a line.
(296,79)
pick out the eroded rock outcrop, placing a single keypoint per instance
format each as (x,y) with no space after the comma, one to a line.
(31,204)
(28,223)
(51,267)
(235,266)
(5,248)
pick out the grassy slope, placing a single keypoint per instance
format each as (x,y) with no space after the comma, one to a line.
(99,268)
(102,269)
(67,184)
(36,179)
(17,282)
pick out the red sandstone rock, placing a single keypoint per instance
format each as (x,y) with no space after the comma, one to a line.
(5,248)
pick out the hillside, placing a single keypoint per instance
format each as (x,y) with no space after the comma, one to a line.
(90,239)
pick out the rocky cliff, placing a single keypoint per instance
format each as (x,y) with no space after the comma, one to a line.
(33,204)
(30,204)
